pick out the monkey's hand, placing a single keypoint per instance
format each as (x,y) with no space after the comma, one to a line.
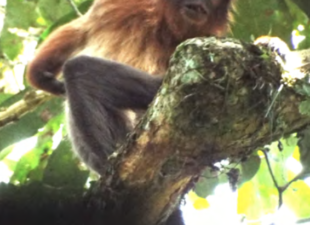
(47,81)
(55,86)
(275,44)
(43,76)
(292,59)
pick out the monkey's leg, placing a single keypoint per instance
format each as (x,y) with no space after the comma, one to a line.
(97,92)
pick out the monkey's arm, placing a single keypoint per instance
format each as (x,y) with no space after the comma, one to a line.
(98,91)
(51,55)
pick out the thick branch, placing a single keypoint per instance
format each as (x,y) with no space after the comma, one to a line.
(219,100)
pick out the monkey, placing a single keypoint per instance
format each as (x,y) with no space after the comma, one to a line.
(134,41)
(113,59)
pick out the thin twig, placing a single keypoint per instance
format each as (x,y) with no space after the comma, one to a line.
(30,102)
(273,178)
(75,8)
(280,189)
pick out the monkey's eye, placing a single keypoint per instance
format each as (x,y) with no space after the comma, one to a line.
(216,2)
(196,7)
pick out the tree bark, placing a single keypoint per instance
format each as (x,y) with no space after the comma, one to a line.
(220,99)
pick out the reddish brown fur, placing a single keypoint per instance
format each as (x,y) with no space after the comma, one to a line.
(140,33)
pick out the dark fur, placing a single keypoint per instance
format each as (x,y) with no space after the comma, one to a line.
(97,103)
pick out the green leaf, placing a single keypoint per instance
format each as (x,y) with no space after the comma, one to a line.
(29,124)
(208,182)
(249,168)
(304,146)
(4,97)
(65,19)
(11,43)
(62,169)
(304,107)
(27,163)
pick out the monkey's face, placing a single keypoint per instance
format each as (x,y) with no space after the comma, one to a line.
(195,11)
(199,11)
(198,17)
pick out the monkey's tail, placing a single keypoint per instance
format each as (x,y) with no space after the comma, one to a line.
(52,54)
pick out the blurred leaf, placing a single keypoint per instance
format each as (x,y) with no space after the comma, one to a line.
(249,168)
(65,19)
(255,18)
(27,166)
(304,5)
(10,42)
(62,169)
(197,201)
(29,124)
(297,198)
(27,163)
(4,97)
(296,153)
(10,164)
(52,11)
(304,146)
(247,198)
(201,203)
(280,152)
(208,181)
(304,107)
(257,196)
(268,17)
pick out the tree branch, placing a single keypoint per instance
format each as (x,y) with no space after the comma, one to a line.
(30,102)
(212,105)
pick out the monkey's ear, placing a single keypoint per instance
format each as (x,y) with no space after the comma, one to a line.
(275,44)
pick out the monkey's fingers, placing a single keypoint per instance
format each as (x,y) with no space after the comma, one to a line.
(275,44)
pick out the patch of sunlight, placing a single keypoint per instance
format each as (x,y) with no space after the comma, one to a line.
(296,37)
(22,148)
(2,13)
(222,210)
(14,77)
(10,82)
(6,173)
(284,216)
(222,163)
(29,50)
(57,137)
(293,165)
(307,181)
(3,2)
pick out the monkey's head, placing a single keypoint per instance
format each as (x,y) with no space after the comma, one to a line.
(192,18)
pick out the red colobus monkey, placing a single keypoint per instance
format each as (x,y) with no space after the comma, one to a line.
(134,40)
